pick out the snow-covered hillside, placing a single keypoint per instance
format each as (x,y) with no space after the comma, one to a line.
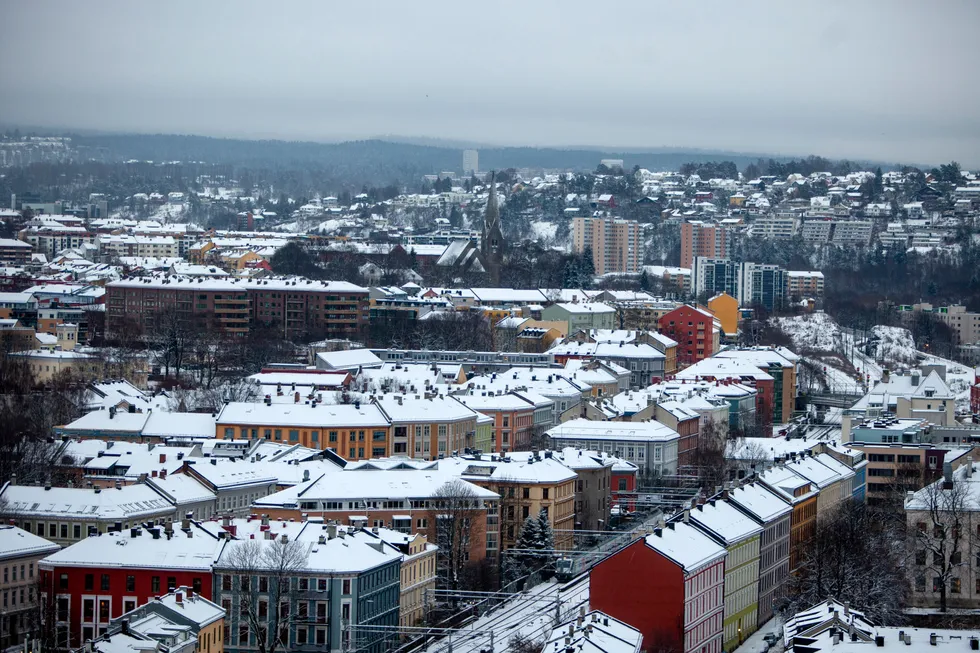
(813,331)
(893,346)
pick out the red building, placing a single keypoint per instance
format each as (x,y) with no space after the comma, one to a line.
(669,585)
(687,423)
(101,577)
(975,393)
(693,329)
(622,480)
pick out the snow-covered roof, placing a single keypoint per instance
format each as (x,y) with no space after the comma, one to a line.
(18,543)
(192,550)
(584,308)
(725,521)
(759,502)
(598,633)
(365,483)
(124,503)
(686,546)
(583,429)
(301,415)
(181,489)
(350,359)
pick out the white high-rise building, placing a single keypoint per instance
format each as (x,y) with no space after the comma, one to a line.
(471,162)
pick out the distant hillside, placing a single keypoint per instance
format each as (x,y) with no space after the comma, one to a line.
(381,158)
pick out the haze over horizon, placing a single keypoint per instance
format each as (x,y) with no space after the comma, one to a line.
(871,81)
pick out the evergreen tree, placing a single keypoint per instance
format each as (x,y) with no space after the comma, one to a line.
(546,538)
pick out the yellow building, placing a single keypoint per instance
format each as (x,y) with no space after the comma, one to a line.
(725,308)
(418,576)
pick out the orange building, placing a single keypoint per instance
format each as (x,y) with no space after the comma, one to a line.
(725,308)
(799,493)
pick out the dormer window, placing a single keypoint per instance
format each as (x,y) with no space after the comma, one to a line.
(930,393)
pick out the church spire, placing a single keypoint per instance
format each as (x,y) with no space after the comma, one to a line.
(491,247)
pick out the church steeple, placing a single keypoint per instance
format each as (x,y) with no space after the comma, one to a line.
(491,247)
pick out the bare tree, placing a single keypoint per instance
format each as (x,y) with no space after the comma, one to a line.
(266,588)
(939,524)
(834,563)
(457,521)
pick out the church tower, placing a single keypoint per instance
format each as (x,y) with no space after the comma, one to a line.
(492,244)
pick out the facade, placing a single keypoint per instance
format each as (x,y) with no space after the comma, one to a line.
(471,162)
(779,363)
(694,331)
(651,446)
(581,316)
(346,579)
(100,578)
(686,422)
(296,306)
(427,428)
(945,518)
(645,362)
(712,276)
(20,552)
(616,244)
(14,252)
(702,239)
(593,487)
(741,537)
(354,431)
(762,285)
(773,515)
(513,418)
(418,573)
(669,586)
(801,495)
(403,497)
(800,284)
(725,308)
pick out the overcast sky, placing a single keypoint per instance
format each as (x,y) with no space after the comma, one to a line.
(893,80)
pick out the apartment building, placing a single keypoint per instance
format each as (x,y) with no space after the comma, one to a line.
(20,552)
(616,244)
(696,331)
(15,252)
(209,303)
(762,285)
(701,239)
(775,226)
(297,306)
(964,324)
(804,284)
(355,431)
(712,276)
(651,446)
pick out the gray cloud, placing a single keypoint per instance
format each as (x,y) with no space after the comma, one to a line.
(890,80)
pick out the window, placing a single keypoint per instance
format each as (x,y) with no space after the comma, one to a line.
(171,583)
(63,582)
(955,586)
(89,582)
(936,584)
(130,583)
(544,493)
(263,584)
(294,436)
(526,492)
(196,586)
(103,610)
(88,610)
(346,586)
(226,583)
(155,585)
(76,531)
(920,557)
(129,605)
(314,436)
(105,582)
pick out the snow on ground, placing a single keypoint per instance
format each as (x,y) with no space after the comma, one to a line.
(811,331)
(542,230)
(895,345)
(329,226)
(755,642)
(168,213)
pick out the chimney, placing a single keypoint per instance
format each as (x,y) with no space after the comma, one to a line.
(915,379)
(163,458)
(331,531)
(947,475)
(124,627)
(179,597)
(969,466)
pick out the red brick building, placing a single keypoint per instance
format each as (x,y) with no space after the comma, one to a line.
(99,578)
(727,370)
(296,306)
(669,585)
(694,330)
(975,393)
